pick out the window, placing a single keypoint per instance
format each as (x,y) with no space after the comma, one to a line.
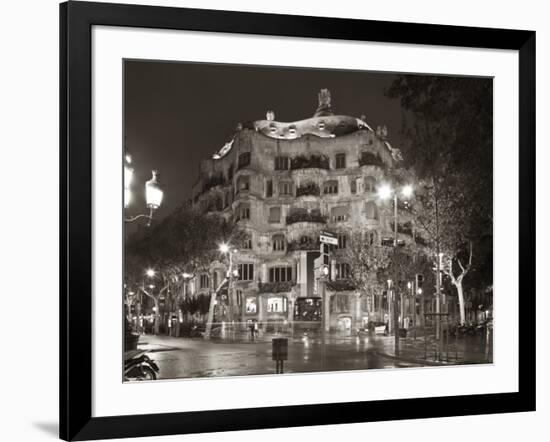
(371,211)
(251,305)
(343,270)
(279,243)
(330,187)
(247,243)
(306,240)
(342,240)
(341,161)
(369,184)
(280,274)
(243,212)
(214,279)
(340,213)
(239,294)
(246,272)
(227,200)
(285,188)
(282,163)
(353,186)
(370,238)
(230,172)
(244,159)
(269,188)
(204,281)
(274,215)
(277,304)
(243,184)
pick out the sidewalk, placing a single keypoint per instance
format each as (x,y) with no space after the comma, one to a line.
(469,350)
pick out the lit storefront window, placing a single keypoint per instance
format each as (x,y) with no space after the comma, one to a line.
(277,304)
(251,305)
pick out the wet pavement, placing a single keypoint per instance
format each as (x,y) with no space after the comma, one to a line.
(195,357)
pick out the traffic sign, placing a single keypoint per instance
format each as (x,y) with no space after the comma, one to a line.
(328,238)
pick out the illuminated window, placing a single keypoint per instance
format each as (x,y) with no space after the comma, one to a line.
(277,304)
(251,307)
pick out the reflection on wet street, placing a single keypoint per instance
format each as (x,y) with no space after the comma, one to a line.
(186,357)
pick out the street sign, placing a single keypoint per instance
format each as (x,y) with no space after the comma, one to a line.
(328,238)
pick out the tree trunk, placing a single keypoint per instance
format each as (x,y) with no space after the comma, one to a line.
(157,317)
(210,319)
(460,292)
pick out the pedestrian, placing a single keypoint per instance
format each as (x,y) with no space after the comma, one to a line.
(255,329)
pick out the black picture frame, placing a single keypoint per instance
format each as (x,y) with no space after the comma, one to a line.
(76,21)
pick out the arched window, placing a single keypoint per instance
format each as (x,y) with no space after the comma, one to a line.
(371,210)
(369,184)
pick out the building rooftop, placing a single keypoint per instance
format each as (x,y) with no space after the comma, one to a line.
(323,124)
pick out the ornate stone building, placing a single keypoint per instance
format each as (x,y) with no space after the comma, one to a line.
(284,183)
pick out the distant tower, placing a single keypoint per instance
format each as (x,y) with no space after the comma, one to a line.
(270,115)
(324,109)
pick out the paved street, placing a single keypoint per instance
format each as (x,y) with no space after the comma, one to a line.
(186,357)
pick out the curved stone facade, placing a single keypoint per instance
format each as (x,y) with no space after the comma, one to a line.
(283,188)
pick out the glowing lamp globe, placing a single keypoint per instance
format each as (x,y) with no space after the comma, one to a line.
(128,176)
(153,192)
(385,191)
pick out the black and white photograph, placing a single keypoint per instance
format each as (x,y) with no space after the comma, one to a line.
(282,220)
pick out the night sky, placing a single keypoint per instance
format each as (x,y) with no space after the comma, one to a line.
(176,114)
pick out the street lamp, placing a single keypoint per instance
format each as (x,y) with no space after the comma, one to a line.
(385,192)
(128,176)
(150,273)
(153,191)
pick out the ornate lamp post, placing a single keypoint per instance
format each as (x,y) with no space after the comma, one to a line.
(153,191)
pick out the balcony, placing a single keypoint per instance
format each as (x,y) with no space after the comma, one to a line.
(309,189)
(275,287)
(370,159)
(311,162)
(213,181)
(305,217)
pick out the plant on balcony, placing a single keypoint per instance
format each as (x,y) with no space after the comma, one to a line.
(308,189)
(370,159)
(313,161)
(275,287)
(341,285)
(301,217)
(300,245)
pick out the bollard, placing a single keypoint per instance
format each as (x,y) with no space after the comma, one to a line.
(279,353)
